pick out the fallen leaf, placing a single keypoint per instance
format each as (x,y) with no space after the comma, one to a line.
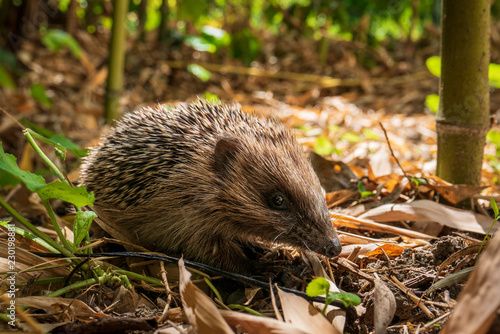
(26,260)
(391,250)
(385,306)
(339,197)
(78,309)
(198,307)
(126,300)
(258,325)
(362,222)
(425,210)
(333,175)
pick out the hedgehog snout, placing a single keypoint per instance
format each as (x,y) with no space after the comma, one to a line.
(333,248)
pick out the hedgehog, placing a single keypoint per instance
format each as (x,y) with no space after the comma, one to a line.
(209,182)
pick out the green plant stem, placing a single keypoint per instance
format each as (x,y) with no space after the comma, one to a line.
(33,229)
(323,312)
(245,308)
(139,277)
(74,286)
(47,281)
(53,219)
(217,294)
(124,279)
(28,134)
(486,238)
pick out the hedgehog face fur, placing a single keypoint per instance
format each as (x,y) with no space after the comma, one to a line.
(205,181)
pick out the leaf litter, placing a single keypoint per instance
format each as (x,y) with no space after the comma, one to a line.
(403,251)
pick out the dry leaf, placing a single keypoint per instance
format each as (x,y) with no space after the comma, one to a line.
(333,175)
(258,325)
(380,163)
(385,306)
(479,301)
(199,308)
(339,197)
(454,193)
(457,192)
(362,223)
(390,181)
(425,210)
(126,300)
(390,249)
(298,312)
(25,260)
(78,309)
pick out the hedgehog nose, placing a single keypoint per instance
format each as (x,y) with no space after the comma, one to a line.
(334,248)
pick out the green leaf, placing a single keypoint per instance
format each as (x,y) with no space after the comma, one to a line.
(303,127)
(9,165)
(493,136)
(317,287)
(83,220)
(212,98)
(418,181)
(71,146)
(362,191)
(344,297)
(200,44)
(56,39)
(370,135)
(40,95)
(7,179)
(216,36)
(494,206)
(323,146)
(434,65)
(63,191)
(432,102)
(199,72)
(494,75)
(351,137)
(5,79)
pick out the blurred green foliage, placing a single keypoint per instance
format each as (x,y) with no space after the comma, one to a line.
(235,28)
(234,24)
(56,39)
(39,93)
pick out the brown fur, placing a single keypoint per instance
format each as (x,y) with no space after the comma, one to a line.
(203,181)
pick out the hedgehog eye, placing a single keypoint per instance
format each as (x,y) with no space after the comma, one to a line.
(278,201)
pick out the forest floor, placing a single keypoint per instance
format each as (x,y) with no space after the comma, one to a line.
(372,125)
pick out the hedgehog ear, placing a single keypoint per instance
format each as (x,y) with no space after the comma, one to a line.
(225,151)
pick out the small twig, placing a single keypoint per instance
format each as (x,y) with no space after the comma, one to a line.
(413,297)
(273,302)
(166,310)
(430,324)
(12,118)
(221,304)
(392,152)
